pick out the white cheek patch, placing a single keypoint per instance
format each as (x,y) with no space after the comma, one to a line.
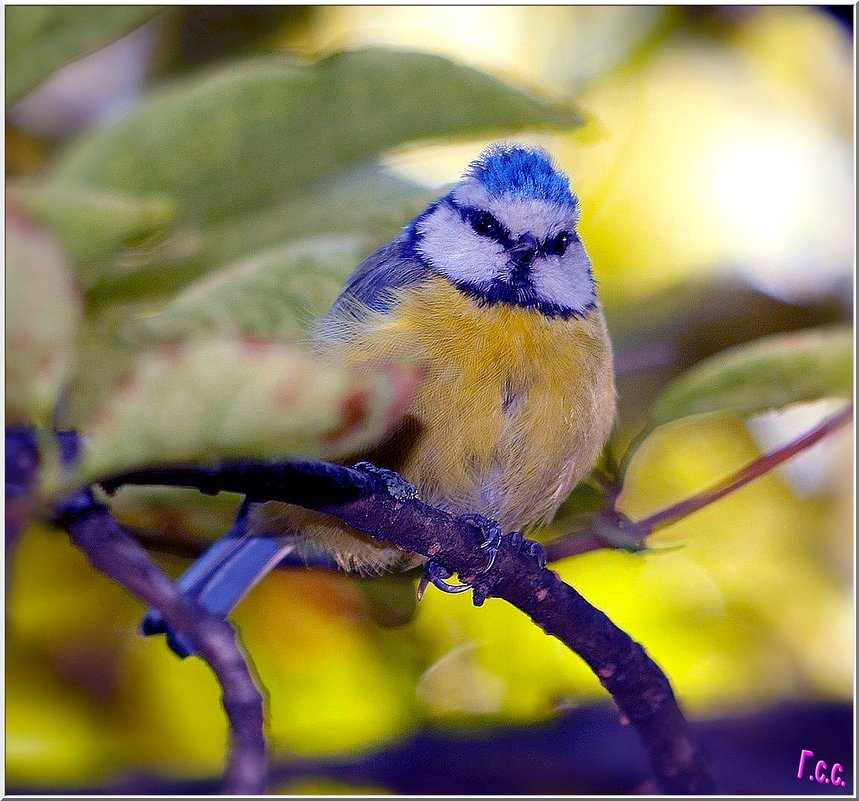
(453,249)
(565,280)
(541,218)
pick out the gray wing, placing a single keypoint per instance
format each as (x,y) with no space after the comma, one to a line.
(370,286)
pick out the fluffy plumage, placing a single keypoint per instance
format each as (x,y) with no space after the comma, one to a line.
(490,289)
(519,395)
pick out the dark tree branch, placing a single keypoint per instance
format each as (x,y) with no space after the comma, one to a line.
(109,549)
(387,509)
(22,464)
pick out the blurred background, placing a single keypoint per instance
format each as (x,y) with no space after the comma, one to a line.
(712,150)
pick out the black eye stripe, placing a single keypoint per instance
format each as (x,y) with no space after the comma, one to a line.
(483,223)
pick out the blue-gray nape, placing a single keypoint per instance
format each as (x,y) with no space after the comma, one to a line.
(391,267)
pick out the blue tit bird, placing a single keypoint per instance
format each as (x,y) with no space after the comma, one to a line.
(491,290)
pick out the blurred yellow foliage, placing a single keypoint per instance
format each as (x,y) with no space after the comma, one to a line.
(53,735)
(708,160)
(331,688)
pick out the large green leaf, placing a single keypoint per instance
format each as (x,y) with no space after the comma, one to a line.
(266,129)
(94,225)
(767,374)
(105,354)
(42,313)
(275,294)
(366,202)
(361,200)
(221,399)
(39,39)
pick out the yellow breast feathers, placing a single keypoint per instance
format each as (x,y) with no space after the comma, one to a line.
(515,407)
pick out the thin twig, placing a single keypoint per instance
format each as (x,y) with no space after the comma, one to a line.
(612,529)
(750,472)
(109,549)
(382,506)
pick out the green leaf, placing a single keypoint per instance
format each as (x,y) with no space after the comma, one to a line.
(174,514)
(767,374)
(39,39)
(105,355)
(263,130)
(587,499)
(276,294)
(222,399)
(366,202)
(95,226)
(43,310)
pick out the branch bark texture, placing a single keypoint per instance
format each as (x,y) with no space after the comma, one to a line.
(94,530)
(388,509)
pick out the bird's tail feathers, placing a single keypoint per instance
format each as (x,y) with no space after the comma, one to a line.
(223,575)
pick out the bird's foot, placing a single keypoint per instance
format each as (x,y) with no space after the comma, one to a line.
(491,538)
(529,548)
(397,486)
(435,574)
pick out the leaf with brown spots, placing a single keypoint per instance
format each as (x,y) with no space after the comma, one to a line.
(214,400)
(43,310)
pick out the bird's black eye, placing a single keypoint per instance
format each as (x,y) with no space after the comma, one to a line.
(485,224)
(558,245)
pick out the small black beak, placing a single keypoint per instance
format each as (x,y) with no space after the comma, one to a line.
(523,252)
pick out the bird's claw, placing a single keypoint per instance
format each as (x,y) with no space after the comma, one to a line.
(529,548)
(435,574)
(397,486)
(491,541)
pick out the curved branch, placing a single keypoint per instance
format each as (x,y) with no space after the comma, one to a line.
(383,506)
(113,552)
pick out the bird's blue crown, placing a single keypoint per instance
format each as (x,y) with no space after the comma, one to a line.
(521,172)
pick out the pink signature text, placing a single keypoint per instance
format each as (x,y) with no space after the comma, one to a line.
(820,772)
